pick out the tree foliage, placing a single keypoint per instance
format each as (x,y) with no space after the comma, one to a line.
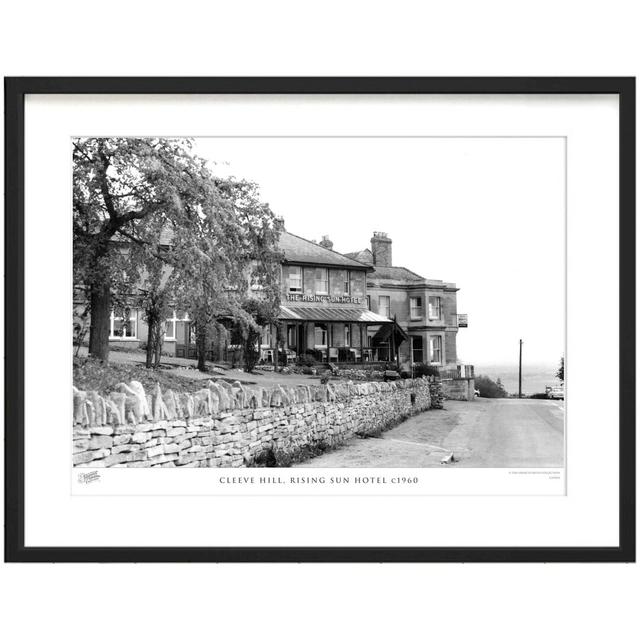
(258,313)
(232,259)
(560,371)
(489,388)
(153,227)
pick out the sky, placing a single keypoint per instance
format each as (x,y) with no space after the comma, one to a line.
(485,213)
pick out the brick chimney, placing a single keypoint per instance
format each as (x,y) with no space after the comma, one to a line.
(326,243)
(381,249)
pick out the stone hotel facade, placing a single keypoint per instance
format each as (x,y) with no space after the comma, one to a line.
(425,309)
(354,308)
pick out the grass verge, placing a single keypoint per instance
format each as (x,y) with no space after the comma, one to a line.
(94,375)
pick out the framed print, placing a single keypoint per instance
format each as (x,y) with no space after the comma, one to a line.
(320,319)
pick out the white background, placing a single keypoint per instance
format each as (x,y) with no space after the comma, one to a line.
(489,38)
(54,517)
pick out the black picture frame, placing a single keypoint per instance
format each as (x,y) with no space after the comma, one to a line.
(15,91)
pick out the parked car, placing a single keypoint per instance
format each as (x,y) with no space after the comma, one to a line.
(555,393)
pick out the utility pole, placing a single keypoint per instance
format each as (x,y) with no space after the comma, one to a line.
(520,372)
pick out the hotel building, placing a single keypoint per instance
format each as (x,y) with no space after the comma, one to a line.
(350,308)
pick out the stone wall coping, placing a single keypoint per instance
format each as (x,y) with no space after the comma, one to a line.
(129,403)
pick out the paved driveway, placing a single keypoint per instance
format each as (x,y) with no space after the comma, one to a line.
(482,433)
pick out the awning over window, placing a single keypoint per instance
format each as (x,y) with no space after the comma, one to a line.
(332,314)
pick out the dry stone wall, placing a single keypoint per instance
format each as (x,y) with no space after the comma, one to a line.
(437,393)
(231,425)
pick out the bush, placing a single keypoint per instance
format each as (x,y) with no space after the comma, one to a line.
(423,369)
(307,360)
(250,352)
(489,388)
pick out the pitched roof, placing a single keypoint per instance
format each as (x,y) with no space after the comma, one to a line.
(396,273)
(402,275)
(362,256)
(297,249)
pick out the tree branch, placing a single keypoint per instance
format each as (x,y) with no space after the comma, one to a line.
(146,243)
(82,152)
(102,167)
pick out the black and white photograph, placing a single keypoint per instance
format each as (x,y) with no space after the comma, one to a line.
(361,315)
(319,302)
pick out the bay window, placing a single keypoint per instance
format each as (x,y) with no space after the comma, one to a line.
(416,308)
(417,354)
(435,349)
(434,308)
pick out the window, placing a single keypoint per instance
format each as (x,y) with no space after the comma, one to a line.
(435,349)
(369,303)
(416,308)
(291,335)
(295,279)
(170,325)
(434,308)
(417,352)
(170,329)
(347,335)
(321,335)
(322,281)
(124,323)
(384,306)
(347,284)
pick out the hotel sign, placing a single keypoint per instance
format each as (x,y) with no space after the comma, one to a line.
(463,320)
(299,297)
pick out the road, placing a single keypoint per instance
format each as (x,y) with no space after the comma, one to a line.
(486,432)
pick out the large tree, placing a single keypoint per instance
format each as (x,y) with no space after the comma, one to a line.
(154,225)
(126,191)
(218,283)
